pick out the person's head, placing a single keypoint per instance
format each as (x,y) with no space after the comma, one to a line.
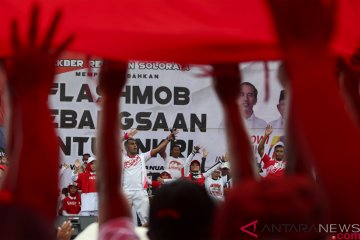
(282,103)
(279,152)
(248,96)
(85,157)
(165,175)
(282,75)
(65,191)
(181,210)
(72,189)
(92,164)
(225,168)
(195,166)
(216,174)
(131,146)
(175,151)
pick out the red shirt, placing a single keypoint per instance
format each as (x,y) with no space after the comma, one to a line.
(274,168)
(72,205)
(87,182)
(197,178)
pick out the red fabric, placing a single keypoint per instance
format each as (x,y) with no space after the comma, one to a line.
(3,168)
(293,199)
(200,179)
(156,184)
(185,31)
(5,197)
(309,65)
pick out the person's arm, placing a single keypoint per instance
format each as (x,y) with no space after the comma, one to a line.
(261,145)
(212,169)
(30,72)
(203,159)
(215,167)
(227,80)
(64,166)
(163,153)
(163,144)
(63,207)
(189,159)
(112,202)
(130,134)
(78,179)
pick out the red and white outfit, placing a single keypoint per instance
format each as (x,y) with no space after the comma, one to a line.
(86,182)
(135,183)
(198,177)
(71,204)
(274,168)
(175,166)
(156,184)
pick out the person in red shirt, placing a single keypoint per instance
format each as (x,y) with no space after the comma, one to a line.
(164,177)
(274,167)
(86,182)
(72,202)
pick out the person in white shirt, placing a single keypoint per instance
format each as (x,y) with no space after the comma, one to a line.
(174,163)
(247,101)
(134,177)
(214,184)
(279,123)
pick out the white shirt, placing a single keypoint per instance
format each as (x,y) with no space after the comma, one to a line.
(174,166)
(278,123)
(215,188)
(254,122)
(134,171)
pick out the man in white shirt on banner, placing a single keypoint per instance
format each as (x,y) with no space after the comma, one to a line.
(247,101)
(134,177)
(279,123)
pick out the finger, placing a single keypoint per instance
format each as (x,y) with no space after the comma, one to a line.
(15,35)
(33,25)
(64,45)
(68,227)
(51,32)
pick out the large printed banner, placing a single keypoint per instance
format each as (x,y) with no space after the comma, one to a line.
(158,96)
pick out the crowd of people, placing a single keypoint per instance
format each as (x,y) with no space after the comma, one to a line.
(80,196)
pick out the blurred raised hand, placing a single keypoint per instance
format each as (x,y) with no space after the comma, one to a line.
(32,64)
